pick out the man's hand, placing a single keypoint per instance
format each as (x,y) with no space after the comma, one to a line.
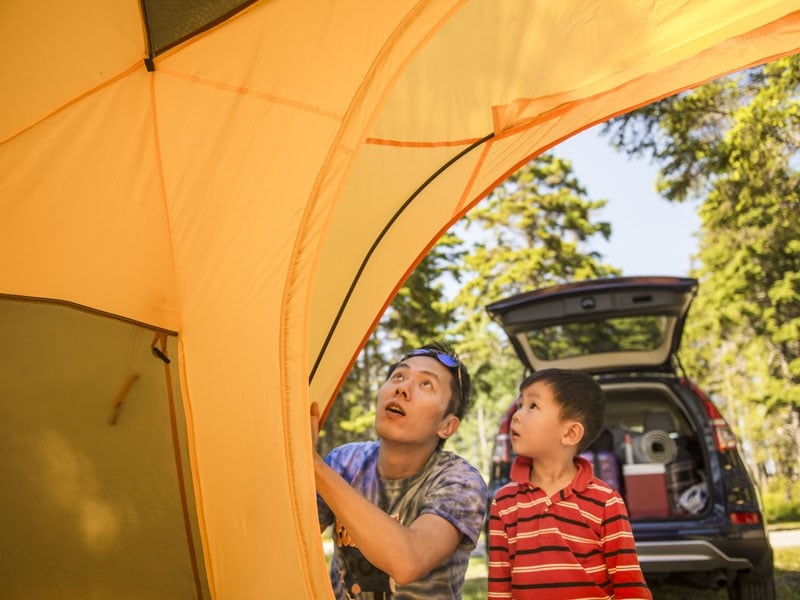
(314,425)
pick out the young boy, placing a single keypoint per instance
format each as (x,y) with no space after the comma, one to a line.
(556,531)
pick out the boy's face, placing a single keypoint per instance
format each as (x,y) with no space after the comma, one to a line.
(537,428)
(412,403)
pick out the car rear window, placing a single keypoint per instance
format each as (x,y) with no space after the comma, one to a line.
(623,334)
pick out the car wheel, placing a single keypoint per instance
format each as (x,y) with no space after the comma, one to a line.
(758,584)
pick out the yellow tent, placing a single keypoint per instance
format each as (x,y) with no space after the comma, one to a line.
(204,208)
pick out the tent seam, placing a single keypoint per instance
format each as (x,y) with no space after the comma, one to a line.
(72,101)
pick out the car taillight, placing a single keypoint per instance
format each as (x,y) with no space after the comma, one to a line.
(723,434)
(745,518)
(501,452)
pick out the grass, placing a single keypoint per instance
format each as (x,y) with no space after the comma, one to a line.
(787,573)
(779,525)
(787,581)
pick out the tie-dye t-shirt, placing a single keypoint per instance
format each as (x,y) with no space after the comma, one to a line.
(447,486)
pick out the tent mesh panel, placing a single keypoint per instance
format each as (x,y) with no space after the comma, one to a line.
(170,22)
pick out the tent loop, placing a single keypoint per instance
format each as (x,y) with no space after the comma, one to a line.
(157,352)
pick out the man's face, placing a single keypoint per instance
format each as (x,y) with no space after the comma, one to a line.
(412,403)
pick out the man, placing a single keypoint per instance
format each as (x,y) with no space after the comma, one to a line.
(406,513)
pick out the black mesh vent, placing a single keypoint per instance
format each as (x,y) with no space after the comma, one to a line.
(169,22)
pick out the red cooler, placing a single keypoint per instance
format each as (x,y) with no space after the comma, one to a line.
(646,490)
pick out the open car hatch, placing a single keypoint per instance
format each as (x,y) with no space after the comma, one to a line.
(598,325)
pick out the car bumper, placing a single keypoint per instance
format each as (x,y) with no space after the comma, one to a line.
(686,555)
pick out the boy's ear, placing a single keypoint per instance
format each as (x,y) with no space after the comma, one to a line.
(573,434)
(449,426)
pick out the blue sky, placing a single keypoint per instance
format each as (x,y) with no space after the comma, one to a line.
(650,236)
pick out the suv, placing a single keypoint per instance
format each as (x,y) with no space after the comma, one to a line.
(695,512)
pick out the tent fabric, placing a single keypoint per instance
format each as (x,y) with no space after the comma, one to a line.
(247,202)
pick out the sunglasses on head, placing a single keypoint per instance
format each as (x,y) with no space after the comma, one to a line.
(448,361)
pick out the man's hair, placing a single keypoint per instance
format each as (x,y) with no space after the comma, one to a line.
(460,384)
(578,395)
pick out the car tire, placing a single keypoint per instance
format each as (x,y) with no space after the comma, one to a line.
(751,587)
(758,584)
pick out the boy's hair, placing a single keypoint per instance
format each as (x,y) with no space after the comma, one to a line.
(580,399)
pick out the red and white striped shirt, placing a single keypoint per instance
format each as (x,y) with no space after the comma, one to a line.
(575,544)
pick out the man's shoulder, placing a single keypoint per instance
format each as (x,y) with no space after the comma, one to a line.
(450,460)
(354,452)
(452,466)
